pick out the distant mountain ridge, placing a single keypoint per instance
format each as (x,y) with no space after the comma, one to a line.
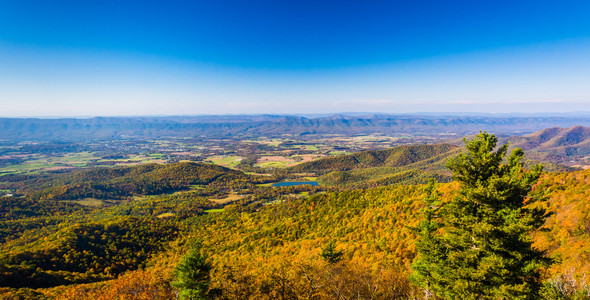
(20,129)
(555,137)
(558,145)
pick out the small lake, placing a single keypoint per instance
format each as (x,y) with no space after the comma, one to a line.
(293,183)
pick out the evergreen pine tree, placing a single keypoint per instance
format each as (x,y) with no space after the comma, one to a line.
(330,254)
(192,276)
(428,245)
(477,246)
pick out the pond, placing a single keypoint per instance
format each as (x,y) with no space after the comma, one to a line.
(293,183)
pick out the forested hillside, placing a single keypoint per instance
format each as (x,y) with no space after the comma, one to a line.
(411,164)
(260,254)
(394,157)
(558,145)
(122,182)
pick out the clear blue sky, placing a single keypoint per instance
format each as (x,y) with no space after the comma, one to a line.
(86,58)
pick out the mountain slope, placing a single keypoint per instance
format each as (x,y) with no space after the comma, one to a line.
(412,164)
(121,182)
(262,249)
(395,157)
(555,137)
(569,146)
(408,164)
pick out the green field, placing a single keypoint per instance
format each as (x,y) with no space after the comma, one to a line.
(230,198)
(27,167)
(89,202)
(229,161)
(264,141)
(80,158)
(165,215)
(339,153)
(44,163)
(274,164)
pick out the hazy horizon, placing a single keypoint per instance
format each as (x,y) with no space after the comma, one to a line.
(572,114)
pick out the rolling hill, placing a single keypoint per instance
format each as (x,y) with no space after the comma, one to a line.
(120,182)
(409,164)
(569,146)
(395,157)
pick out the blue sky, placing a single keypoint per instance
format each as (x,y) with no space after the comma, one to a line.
(87,58)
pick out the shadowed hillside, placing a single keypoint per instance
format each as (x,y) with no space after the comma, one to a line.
(394,157)
(555,137)
(411,164)
(569,146)
(120,182)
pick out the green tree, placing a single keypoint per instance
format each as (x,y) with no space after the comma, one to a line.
(193,275)
(330,254)
(429,247)
(477,246)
